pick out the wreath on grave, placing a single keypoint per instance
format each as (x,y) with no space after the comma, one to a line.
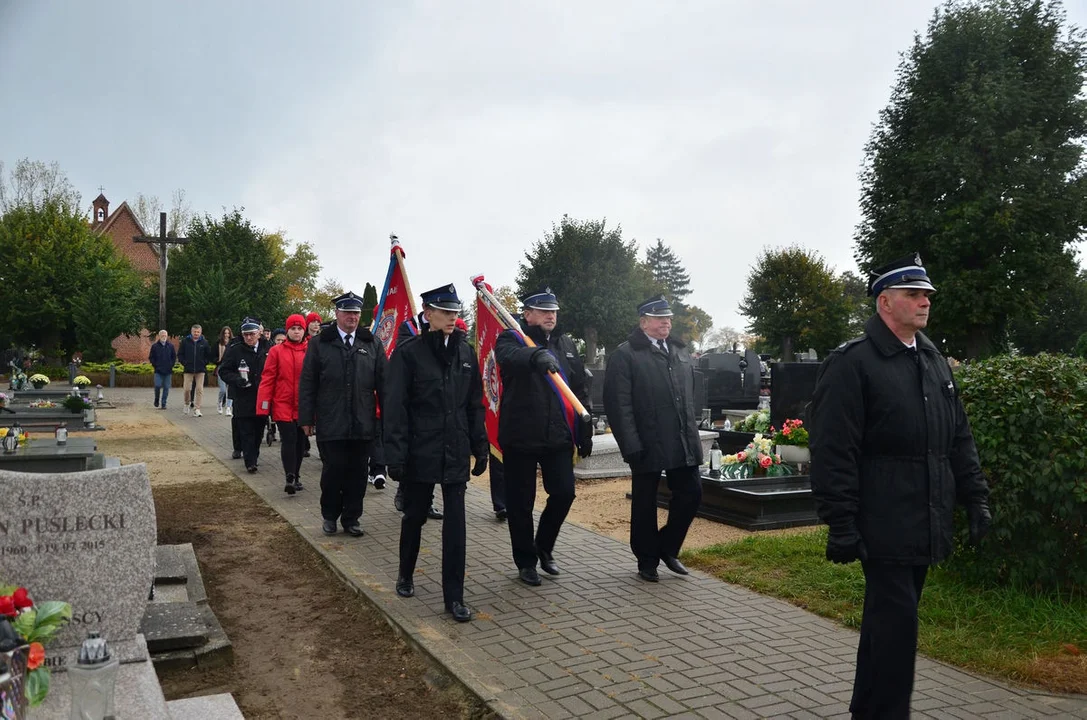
(25,628)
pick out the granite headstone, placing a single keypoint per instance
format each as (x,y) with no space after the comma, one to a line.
(792,390)
(87,538)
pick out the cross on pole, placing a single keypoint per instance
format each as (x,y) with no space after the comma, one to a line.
(162,241)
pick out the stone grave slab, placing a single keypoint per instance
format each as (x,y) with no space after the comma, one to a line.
(206,707)
(169,565)
(606,460)
(86,538)
(173,626)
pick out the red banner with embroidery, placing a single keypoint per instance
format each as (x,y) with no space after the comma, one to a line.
(397,304)
(488,328)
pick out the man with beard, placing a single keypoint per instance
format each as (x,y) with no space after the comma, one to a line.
(891,454)
(241,369)
(649,400)
(534,431)
(342,381)
(433,420)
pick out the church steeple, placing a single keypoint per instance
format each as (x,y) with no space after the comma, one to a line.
(100,210)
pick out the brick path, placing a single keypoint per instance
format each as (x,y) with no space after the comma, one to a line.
(598,642)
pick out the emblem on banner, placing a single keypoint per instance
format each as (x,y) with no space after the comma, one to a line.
(386,326)
(491,382)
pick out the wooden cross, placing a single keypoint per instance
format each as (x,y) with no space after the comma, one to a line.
(162,241)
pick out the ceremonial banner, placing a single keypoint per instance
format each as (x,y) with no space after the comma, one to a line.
(397,304)
(488,328)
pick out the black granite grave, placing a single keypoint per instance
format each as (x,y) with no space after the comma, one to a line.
(723,387)
(792,388)
(754,504)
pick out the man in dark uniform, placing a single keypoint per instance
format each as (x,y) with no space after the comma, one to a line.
(892,452)
(433,418)
(533,430)
(649,400)
(342,381)
(241,368)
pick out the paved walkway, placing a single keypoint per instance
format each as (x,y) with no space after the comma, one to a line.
(598,642)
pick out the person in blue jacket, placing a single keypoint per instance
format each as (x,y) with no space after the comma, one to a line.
(162,357)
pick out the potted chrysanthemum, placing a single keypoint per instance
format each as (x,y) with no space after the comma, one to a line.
(38,381)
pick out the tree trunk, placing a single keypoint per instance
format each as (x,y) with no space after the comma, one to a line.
(590,346)
(787,348)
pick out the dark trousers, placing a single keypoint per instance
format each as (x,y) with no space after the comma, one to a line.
(558,482)
(250,433)
(888,646)
(376,468)
(418,498)
(343,479)
(291,446)
(498,483)
(648,543)
(235,433)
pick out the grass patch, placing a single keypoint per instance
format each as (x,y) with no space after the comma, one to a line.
(1021,635)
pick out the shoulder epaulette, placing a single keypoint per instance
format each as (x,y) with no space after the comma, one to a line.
(844,347)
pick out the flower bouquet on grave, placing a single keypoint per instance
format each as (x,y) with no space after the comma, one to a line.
(3,399)
(756,422)
(756,460)
(38,381)
(791,442)
(25,628)
(41,404)
(77,404)
(81,381)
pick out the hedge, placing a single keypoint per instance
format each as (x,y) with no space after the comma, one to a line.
(1028,416)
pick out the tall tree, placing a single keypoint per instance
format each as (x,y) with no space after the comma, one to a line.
(34,184)
(691,323)
(297,266)
(253,271)
(1059,321)
(794,301)
(596,275)
(369,303)
(323,296)
(146,208)
(61,283)
(722,339)
(861,307)
(668,271)
(977,163)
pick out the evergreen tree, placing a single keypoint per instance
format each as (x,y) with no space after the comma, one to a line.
(668,271)
(977,164)
(369,302)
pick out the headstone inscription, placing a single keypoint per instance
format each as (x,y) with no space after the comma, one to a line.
(87,538)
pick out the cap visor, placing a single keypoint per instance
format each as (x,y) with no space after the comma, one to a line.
(914,285)
(543,306)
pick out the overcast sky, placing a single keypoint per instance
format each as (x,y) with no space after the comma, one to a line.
(468,128)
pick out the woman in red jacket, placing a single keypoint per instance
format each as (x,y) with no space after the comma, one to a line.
(278,397)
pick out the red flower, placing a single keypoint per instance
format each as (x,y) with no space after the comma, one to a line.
(741,456)
(37,656)
(7,606)
(21,598)
(766,461)
(786,431)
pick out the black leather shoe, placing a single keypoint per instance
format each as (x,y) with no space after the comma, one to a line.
(329,527)
(648,574)
(251,468)
(434,513)
(675,565)
(547,563)
(288,487)
(405,587)
(298,485)
(236,455)
(501,515)
(354,530)
(529,576)
(461,612)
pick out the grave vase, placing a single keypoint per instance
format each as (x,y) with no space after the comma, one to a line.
(13,670)
(794,454)
(89,417)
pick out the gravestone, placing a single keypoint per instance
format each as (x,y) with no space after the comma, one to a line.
(792,389)
(87,538)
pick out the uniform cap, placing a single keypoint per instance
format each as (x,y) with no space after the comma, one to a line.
(443,298)
(906,272)
(541,300)
(655,307)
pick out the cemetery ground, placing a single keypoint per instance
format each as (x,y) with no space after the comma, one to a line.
(305,645)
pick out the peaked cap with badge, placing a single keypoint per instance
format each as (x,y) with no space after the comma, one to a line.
(542,299)
(655,307)
(443,298)
(250,324)
(348,302)
(905,272)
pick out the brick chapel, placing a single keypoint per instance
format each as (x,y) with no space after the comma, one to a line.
(121,226)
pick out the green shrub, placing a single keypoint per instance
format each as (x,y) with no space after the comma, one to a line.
(1080,350)
(131,368)
(1027,414)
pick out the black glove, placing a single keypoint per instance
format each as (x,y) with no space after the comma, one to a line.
(545,362)
(844,545)
(481,465)
(396,472)
(585,433)
(634,458)
(980,520)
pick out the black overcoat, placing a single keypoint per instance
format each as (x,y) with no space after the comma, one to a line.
(531,419)
(891,446)
(433,409)
(244,395)
(649,401)
(340,388)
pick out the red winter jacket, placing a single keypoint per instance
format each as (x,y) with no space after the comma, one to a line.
(278,393)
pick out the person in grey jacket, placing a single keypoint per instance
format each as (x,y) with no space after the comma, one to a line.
(649,400)
(342,383)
